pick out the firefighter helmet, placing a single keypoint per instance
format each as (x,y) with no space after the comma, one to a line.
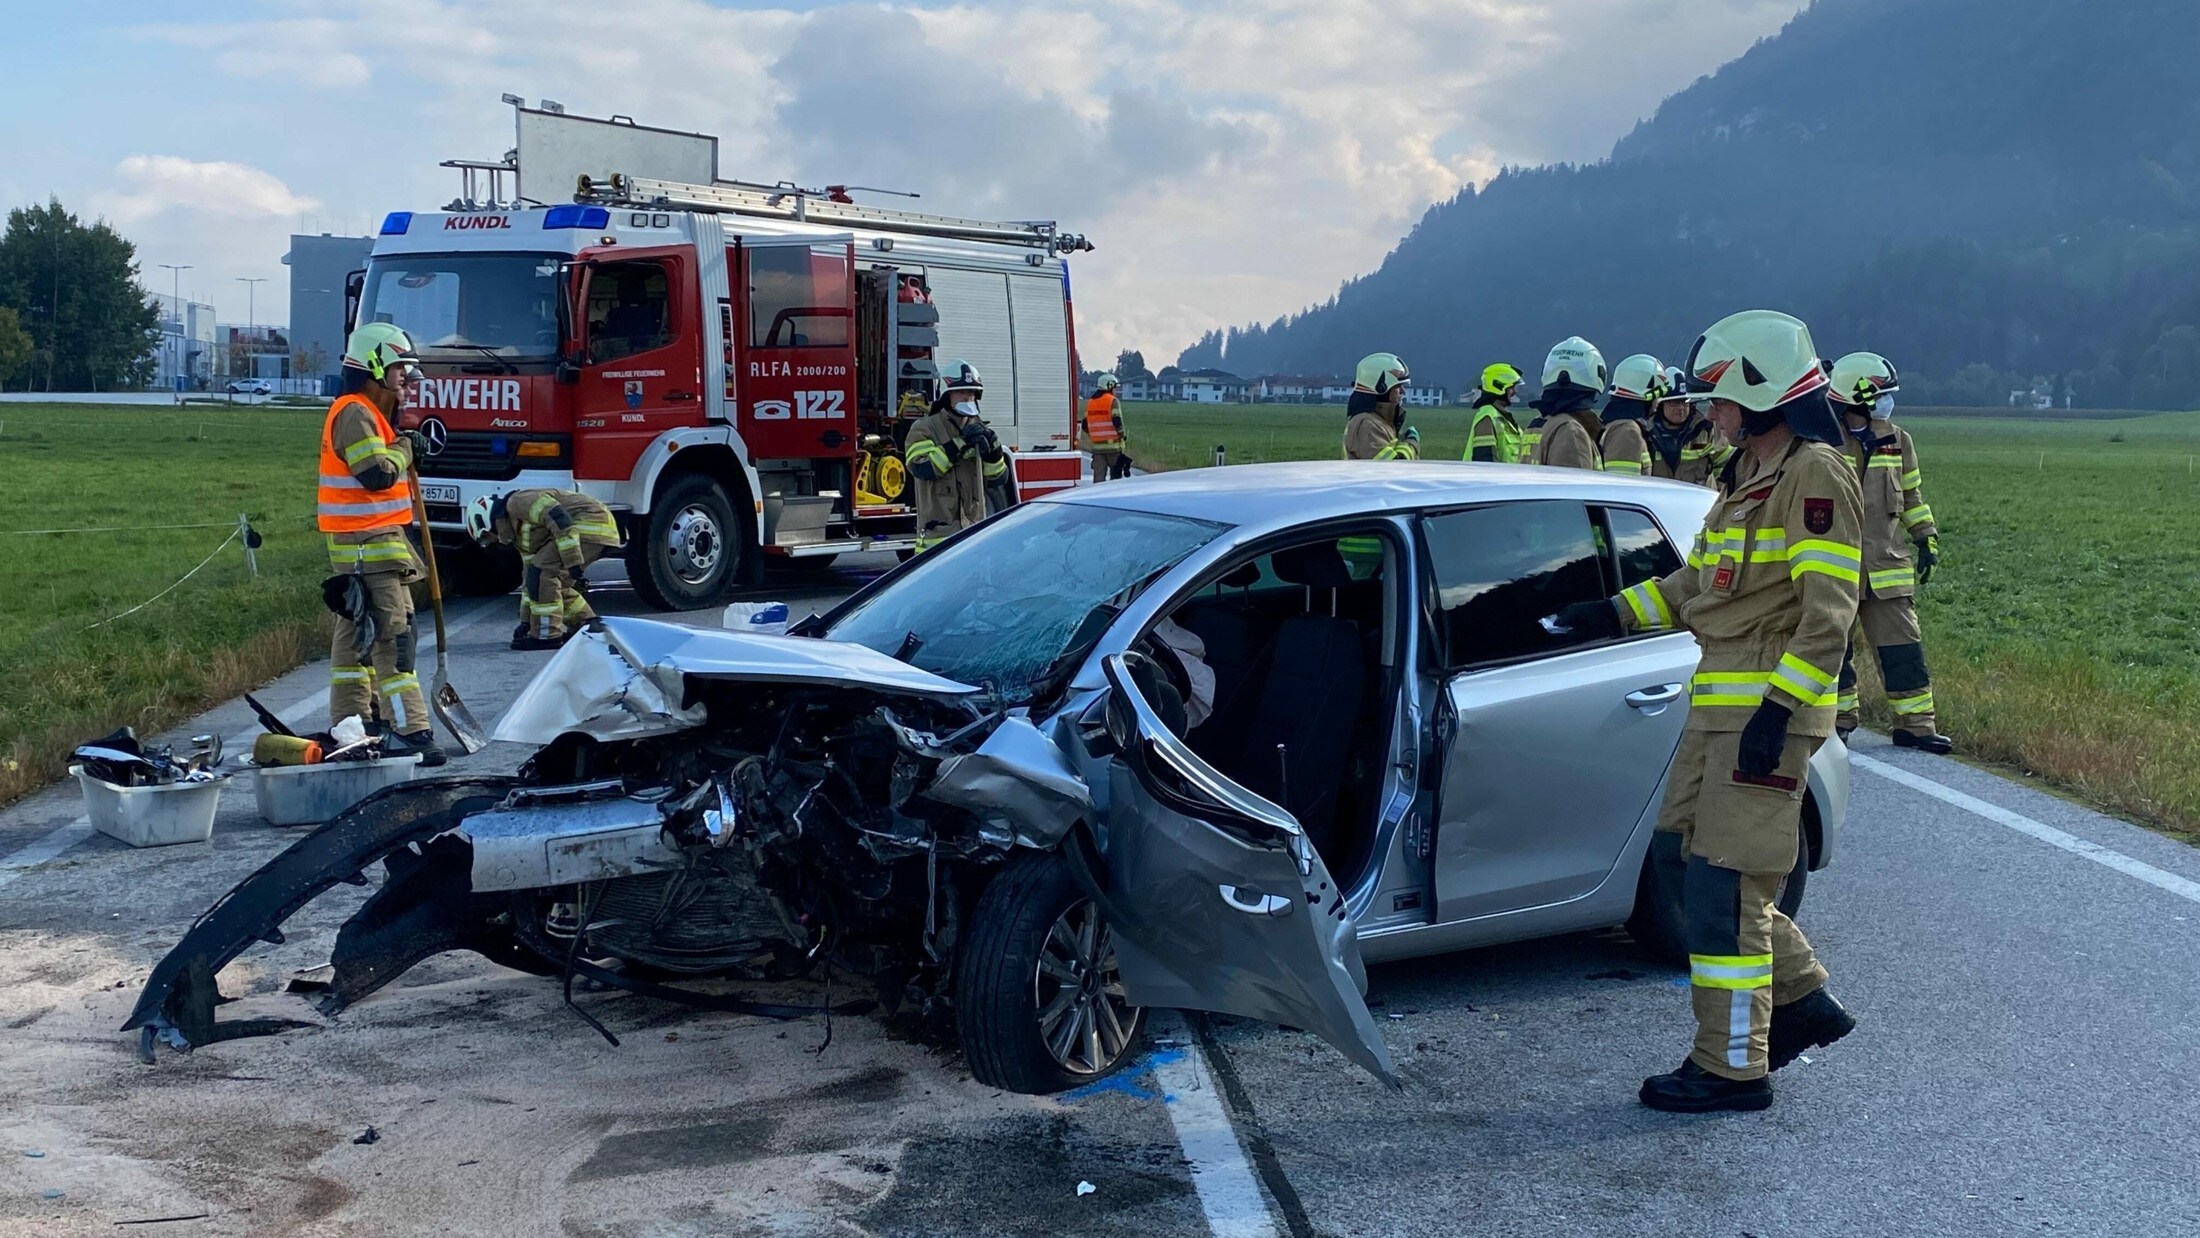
(481,518)
(1108,382)
(1575,362)
(1380,374)
(1500,380)
(1861,378)
(1640,377)
(1759,359)
(960,376)
(375,346)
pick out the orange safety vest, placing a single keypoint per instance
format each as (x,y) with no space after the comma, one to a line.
(346,506)
(1100,419)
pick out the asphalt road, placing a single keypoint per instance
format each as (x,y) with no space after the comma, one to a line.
(2021,966)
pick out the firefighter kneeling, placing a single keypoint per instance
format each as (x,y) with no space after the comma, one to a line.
(558,533)
(1770,590)
(952,454)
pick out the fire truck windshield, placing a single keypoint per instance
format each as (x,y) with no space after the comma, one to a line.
(506,304)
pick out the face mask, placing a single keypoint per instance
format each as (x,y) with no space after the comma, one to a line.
(966,408)
(1884,407)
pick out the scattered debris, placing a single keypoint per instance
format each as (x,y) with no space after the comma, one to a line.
(1085,1188)
(196,1216)
(52,1193)
(1617,973)
(118,759)
(369,1135)
(34,1153)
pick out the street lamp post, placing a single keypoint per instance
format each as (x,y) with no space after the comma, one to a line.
(175,303)
(251,323)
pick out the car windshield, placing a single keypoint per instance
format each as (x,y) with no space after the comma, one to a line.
(466,303)
(1002,605)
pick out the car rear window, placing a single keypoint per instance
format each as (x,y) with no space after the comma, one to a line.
(1500,569)
(1640,549)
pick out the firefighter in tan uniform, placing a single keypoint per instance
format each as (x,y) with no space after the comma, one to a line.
(952,454)
(1566,435)
(1377,427)
(1769,590)
(1901,545)
(558,533)
(365,505)
(1638,384)
(1684,445)
(1101,432)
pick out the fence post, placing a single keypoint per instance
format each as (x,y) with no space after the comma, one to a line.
(1222,455)
(244,537)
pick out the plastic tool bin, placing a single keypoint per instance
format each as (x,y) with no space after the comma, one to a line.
(312,794)
(158,816)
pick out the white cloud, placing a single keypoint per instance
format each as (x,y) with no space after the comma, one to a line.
(149,185)
(1233,162)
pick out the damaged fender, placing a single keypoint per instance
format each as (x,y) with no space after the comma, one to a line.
(181,993)
(1018,783)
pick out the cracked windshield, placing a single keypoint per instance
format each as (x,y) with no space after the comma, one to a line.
(1003,604)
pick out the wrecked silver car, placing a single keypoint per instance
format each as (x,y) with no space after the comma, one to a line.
(1199,741)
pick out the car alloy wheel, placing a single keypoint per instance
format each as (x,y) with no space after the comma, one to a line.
(1083,1018)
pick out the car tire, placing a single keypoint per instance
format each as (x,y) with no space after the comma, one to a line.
(1657,922)
(1025,928)
(469,571)
(690,549)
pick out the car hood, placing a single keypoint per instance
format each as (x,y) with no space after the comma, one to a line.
(628,678)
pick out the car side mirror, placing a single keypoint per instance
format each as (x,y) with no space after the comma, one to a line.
(568,373)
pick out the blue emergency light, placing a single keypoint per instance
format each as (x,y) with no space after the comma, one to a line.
(396,223)
(574,215)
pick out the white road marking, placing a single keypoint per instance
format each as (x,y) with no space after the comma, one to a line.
(2182,887)
(1229,1194)
(61,839)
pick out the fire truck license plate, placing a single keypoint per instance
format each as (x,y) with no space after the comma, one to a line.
(439,494)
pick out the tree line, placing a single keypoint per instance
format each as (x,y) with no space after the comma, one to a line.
(73,316)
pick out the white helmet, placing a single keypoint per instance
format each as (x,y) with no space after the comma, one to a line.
(1108,382)
(1760,359)
(1676,384)
(961,376)
(1575,362)
(481,518)
(1863,378)
(1640,377)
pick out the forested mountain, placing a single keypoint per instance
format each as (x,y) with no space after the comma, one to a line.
(1988,191)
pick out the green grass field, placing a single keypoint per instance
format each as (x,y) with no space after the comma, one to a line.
(79,466)
(2063,625)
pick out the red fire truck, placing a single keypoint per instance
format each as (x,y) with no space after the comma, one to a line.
(731,367)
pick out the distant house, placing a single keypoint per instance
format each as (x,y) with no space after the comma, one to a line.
(1336,390)
(1294,388)
(1148,388)
(1423,395)
(1212,387)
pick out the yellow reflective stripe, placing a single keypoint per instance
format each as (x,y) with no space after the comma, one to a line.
(541,510)
(543,608)
(926,449)
(1801,680)
(1911,480)
(1893,578)
(1839,560)
(995,468)
(1848,701)
(1648,603)
(1915,703)
(1916,516)
(1716,687)
(1769,546)
(399,683)
(1886,462)
(385,550)
(350,674)
(599,529)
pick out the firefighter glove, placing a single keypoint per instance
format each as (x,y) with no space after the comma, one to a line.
(1928,557)
(1597,620)
(1763,740)
(579,575)
(1412,435)
(415,442)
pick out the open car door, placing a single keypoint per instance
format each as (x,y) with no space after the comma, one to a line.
(1217,898)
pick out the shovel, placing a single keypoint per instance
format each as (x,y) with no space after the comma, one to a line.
(443,698)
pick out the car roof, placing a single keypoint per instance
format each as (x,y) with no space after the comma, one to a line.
(1281,495)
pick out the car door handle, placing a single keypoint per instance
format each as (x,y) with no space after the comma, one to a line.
(1654,698)
(1254,903)
(675,396)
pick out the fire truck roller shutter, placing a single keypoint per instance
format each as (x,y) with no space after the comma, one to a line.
(975,325)
(1044,405)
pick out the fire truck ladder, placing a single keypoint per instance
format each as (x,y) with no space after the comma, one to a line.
(808,206)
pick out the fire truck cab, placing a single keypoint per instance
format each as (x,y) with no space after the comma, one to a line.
(731,368)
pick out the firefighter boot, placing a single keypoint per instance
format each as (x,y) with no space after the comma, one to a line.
(1692,1089)
(420,742)
(1938,745)
(1811,1021)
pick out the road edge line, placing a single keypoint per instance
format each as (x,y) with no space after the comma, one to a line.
(2107,857)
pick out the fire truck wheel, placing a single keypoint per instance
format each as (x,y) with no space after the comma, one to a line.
(691,552)
(469,571)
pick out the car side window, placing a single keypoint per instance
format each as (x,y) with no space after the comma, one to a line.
(1499,570)
(1640,550)
(629,309)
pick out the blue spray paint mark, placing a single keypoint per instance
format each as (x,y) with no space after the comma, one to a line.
(1128,1080)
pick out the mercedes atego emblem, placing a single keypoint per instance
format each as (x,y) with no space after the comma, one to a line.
(437,434)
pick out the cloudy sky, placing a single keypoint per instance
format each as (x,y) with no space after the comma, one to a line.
(1231,160)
